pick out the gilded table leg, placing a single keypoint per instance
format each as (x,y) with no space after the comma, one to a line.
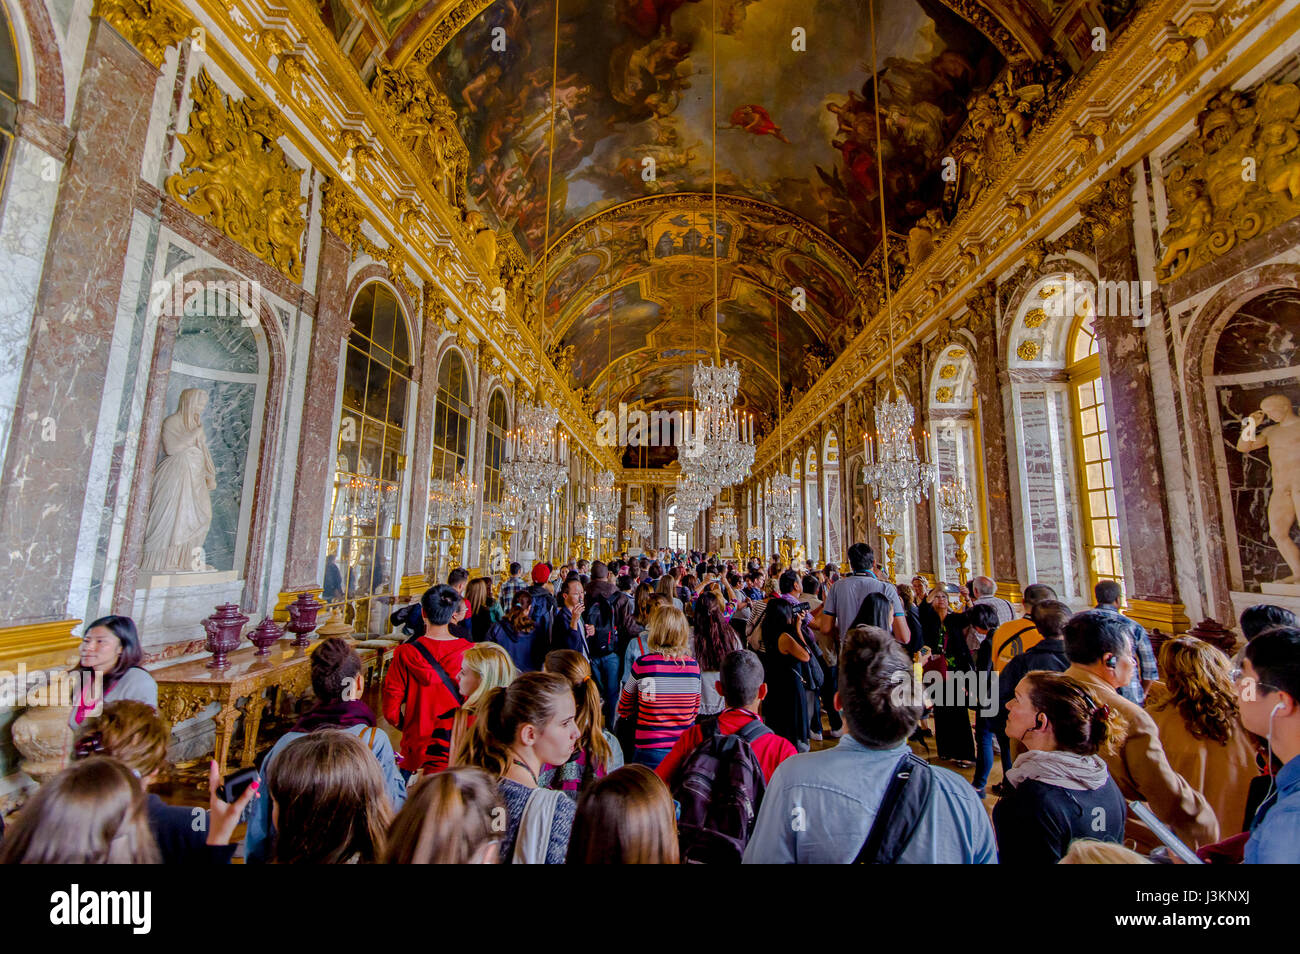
(252,720)
(225,720)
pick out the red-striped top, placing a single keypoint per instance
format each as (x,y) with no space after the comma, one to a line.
(666,694)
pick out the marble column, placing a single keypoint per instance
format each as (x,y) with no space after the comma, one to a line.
(477,464)
(1136,464)
(317,439)
(981,320)
(51,447)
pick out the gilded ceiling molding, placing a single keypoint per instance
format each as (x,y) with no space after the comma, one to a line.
(151,26)
(341,213)
(235,175)
(1016,45)
(437,31)
(1109,205)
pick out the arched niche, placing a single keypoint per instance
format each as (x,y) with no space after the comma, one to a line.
(1251,367)
(814,506)
(833,506)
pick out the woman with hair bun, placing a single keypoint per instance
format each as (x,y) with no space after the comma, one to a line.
(1195,708)
(597,752)
(519,729)
(1060,788)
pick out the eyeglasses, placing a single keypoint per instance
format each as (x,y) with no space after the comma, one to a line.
(1236,674)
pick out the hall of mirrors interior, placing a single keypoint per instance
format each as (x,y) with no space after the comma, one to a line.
(308,303)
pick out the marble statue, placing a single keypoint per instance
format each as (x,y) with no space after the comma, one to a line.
(180,507)
(1282,438)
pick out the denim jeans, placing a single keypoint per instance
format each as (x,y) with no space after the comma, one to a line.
(604,669)
(985,733)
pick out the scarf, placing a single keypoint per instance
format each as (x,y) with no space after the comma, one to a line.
(1077,773)
(335,714)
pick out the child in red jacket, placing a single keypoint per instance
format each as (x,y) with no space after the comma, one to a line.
(421,695)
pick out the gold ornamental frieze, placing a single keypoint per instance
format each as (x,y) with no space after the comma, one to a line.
(235,175)
(1237,176)
(151,26)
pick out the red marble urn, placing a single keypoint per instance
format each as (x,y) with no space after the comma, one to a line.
(223,628)
(266,635)
(302,617)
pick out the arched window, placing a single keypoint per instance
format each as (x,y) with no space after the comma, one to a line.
(451,419)
(955,435)
(364,519)
(1092,449)
(677,537)
(797,493)
(813,507)
(8,95)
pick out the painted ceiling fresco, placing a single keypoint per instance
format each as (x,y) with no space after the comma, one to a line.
(634,82)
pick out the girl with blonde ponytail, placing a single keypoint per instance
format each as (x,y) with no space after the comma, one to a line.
(486,666)
(519,729)
(597,752)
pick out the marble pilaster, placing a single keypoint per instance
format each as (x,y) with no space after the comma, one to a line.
(45,477)
(1130,404)
(317,439)
(417,472)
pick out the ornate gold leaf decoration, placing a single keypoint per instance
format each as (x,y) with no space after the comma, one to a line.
(151,26)
(1035,318)
(423,117)
(341,211)
(943,395)
(1238,176)
(948,372)
(235,175)
(1028,350)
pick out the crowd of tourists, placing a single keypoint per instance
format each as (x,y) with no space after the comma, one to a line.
(677,708)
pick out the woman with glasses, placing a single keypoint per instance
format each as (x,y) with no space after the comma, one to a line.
(109,666)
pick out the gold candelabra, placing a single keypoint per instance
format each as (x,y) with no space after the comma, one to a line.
(889,536)
(456,546)
(959,535)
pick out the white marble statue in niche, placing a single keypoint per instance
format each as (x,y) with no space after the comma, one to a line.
(180,508)
(1282,438)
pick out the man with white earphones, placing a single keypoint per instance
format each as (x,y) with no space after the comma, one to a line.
(1268,684)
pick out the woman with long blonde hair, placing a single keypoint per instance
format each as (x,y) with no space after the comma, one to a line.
(1195,708)
(597,752)
(484,667)
(661,696)
(452,818)
(626,818)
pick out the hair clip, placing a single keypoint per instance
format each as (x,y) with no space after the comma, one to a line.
(90,744)
(1101,712)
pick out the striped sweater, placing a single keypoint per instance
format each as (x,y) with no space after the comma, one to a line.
(666,694)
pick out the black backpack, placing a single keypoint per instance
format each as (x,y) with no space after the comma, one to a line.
(542,610)
(601,615)
(720,790)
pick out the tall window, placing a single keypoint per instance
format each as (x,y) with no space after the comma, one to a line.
(833,504)
(797,494)
(813,507)
(677,538)
(8,94)
(494,448)
(1092,447)
(364,527)
(451,417)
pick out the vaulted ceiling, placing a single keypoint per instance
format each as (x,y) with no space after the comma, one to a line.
(626,251)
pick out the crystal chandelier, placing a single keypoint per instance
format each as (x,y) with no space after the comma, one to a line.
(454,498)
(754,532)
(535,465)
(893,471)
(639,523)
(605,503)
(506,513)
(724,523)
(782,513)
(889,516)
(955,505)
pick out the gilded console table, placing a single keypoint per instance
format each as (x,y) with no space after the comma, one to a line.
(186,689)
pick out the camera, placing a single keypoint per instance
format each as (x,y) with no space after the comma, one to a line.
(409,620)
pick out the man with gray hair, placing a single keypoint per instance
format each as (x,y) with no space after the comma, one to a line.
(983,590)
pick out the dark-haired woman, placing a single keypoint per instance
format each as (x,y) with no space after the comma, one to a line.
(712,638)
(516,633)
(785,655)
(109,664)
(1060,788)
(528,724)
(338,683)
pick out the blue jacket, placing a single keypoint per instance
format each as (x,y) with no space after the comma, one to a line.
(528,650)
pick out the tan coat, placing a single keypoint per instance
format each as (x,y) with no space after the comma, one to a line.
(1142,771)
(1222,773)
